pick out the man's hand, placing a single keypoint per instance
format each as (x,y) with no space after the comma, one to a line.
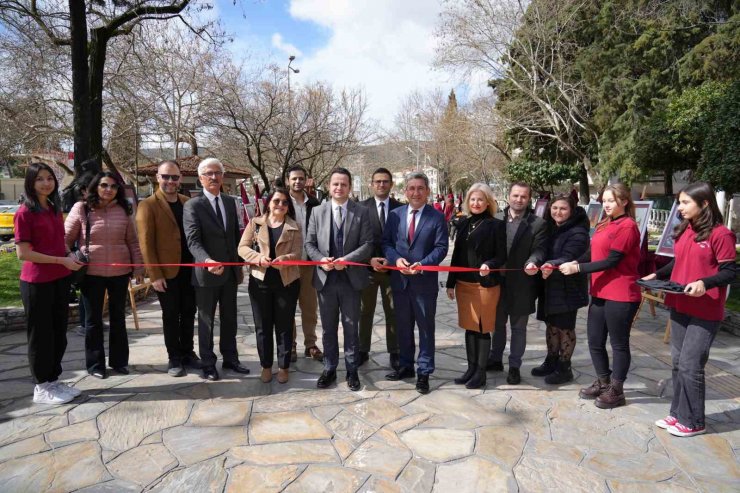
(404,265)
(484,271)
(695,289)
(378,264)
(217,269)
(339,266)
(160,285)
(326,263)
(530,269)
(547,270)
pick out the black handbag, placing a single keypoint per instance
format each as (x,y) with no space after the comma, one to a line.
(79,275)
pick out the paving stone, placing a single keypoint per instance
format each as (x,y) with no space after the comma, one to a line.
(547,449)
(452,403)
(112,486)
(448,421)
(502,444)
(261,479)
(220,413)
(717,458)
(388,437)
(87,410)
(645,467)
(291,401)
(28,426)
(379,485)
(326,413)
(126,424)
(308,452)
(143,464)
(377,412)
(153,438)
(473,475)
(348,426)
(618,486)
(380,458)
(326,479)
(22,448)
(192,444)
(80,432)
(418,475)
(344,448)
(426,443)
(63,469)
(408,422)
(286,426)
(208,476)
(536,474)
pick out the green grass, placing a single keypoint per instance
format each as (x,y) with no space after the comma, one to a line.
(733,301)
(10,272)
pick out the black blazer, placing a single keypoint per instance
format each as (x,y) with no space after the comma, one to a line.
(375,221)
(489,243)
(207,239)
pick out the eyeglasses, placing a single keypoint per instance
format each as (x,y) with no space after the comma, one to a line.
(280,202)
(106,186)
(169,177)
(212,174)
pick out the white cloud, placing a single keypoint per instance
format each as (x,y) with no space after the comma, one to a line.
(384,46)
(287,48)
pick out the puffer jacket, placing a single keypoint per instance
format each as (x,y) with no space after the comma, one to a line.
(113,239)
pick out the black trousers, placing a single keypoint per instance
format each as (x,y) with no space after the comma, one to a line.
(93,296)
(46,306)
(178,315)
(613,319)
(207,298)
(273,310)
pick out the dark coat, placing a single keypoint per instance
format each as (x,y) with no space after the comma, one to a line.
(567,242)
(375,221)
(489,244)
(310,204)
(521,290)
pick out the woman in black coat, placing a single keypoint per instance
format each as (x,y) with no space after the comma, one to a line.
(480,243)
(563,295)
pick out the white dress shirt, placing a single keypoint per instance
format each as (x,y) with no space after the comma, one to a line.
(212,200)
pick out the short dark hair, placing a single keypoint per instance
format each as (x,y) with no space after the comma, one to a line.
(382,171)
(522,184)
(168,161)
(341,171)
(295,167)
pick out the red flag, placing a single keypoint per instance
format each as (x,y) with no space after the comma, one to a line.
(245,201)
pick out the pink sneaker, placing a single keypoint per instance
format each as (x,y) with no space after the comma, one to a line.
(680,430)
(666,422)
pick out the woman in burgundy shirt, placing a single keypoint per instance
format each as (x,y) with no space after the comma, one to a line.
(704,261)
(44,283)
(615,296)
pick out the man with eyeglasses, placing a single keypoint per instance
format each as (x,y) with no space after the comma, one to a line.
(159,220)
(212,230)
(379,206)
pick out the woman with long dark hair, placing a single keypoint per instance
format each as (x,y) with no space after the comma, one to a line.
(480,242)
(112,240)
(44,283)
(562,295)
(615,296)
(704,261)
(273,290)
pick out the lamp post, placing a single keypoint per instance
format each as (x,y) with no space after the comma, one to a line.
(295,71)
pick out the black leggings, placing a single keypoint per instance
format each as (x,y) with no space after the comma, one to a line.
(612,318)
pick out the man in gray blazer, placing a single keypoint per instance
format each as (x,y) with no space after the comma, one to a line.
(212,230)
(339,230)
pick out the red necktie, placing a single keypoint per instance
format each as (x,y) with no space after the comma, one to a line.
(412,225)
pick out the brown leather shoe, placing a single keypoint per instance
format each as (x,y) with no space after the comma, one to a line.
(266,375)
(596,388)
(282,376)
(314,352)
(612,397)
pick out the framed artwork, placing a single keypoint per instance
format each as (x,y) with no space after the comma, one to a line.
(665,245)
(642,215)
(130,193)
(250,210)
(594,211)
(540,207)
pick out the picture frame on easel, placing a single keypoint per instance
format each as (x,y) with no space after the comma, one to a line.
(665,244)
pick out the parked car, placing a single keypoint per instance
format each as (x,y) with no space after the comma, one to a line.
(7,227)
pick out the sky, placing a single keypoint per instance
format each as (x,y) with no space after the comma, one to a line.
(385,47)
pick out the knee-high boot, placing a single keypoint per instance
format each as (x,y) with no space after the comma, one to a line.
(472,355)
(479,378)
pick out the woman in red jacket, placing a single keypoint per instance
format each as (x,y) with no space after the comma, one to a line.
(615,296)
(704,261)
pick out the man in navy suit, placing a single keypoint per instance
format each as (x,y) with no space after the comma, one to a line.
(415,235)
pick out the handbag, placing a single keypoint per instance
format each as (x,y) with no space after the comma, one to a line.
(79,275)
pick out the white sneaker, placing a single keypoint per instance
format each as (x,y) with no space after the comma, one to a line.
(47,393)
(66,389)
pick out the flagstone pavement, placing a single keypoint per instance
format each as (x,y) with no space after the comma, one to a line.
(150,432)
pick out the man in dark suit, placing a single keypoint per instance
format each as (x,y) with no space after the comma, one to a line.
(379,206)
(415,235)
(339,230)
(159,220)
(526,236)
(212,230)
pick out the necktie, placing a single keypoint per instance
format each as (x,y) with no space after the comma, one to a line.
(382,216)
(338,218)
(412,225)
(219,216)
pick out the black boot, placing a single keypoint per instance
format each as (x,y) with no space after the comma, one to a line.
(479,379)
(472,355)
(548,366)
(562,374)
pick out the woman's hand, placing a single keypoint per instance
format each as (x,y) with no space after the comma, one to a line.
(484,271)
(264,261)
(530,269)
(547,270)
(695,289)
(569,268)
(650,277)
(451,293)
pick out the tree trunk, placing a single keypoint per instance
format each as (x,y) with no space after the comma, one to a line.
(98,48)
(80,89)
(583,189)
(668,181)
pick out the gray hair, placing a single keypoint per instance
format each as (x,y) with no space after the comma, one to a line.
(417,175)
(209,162)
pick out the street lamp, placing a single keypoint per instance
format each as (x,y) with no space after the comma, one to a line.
(291,69)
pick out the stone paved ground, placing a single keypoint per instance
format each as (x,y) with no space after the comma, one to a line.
(147,431)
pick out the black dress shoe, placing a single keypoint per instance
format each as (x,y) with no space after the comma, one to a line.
(395,361)
(495,366)
(514,377)
(237,367)
(121,369)
(422,384)
(326,379)
(353,381)
(210,373)
(101,374)
(192,360)
(400,374)
(364,358)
